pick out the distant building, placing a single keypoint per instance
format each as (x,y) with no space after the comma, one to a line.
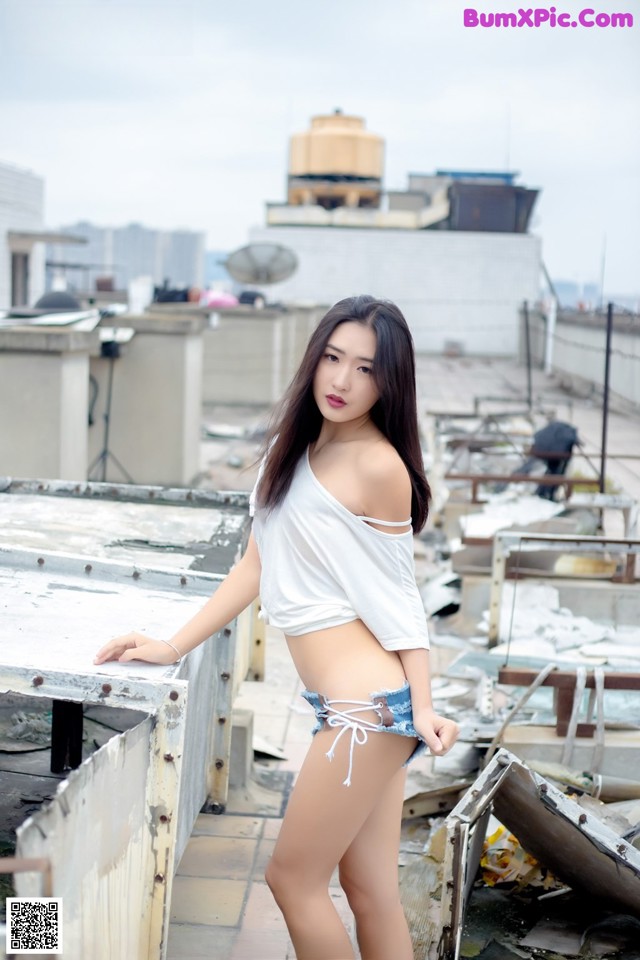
(452,250)
(577,296)
(215,273)
(116,255)
(22,237)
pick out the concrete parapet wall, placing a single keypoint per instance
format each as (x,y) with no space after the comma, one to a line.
(578,353)
(579,359)
(156,401)
(251,355)
(44,396)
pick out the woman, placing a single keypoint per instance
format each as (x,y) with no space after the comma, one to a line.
(341,491)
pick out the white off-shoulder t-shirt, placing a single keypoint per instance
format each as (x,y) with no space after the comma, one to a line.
(323,566)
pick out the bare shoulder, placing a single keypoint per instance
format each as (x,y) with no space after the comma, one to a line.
(386,482)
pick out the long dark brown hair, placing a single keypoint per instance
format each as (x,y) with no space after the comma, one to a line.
(297,421)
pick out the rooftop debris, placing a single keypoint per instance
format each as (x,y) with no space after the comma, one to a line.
(577,847)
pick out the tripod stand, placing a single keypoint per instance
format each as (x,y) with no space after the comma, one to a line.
(111,350)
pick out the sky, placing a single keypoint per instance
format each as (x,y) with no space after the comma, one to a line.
(177,113)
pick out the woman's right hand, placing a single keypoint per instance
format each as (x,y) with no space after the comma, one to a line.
(135,646)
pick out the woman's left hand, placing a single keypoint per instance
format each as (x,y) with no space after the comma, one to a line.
(439,733)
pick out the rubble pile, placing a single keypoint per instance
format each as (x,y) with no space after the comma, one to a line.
(533,849)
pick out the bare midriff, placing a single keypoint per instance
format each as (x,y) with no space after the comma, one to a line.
(345,662)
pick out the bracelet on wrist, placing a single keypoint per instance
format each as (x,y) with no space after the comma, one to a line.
(169,644)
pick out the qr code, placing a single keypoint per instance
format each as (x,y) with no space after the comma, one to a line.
(34,925)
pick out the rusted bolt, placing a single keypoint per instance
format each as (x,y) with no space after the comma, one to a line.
(106,688)
(256,676)
(40,561)
(226,632)
(113,492)
(168,757)
(622,850)
(222,720)
(164,818)
(543,788)
(258,641)
(38,681)
(159,878)
(189,495)
(582,818)
(152,494)
(219,764)
(88,568)
(183,581)
(136,575)
(77,488)
(174,695)
(41,486)
(225,675)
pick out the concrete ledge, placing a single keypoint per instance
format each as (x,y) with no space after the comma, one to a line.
(170,323)
(48,340)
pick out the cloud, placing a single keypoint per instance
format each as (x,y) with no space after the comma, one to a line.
(178,112)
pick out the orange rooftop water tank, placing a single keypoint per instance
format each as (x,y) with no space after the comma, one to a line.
(336,163)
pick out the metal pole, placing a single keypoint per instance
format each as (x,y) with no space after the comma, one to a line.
(605,398)
(551,332)
(527,343)
(107,415)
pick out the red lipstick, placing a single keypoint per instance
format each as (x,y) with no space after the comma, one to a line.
(335,401)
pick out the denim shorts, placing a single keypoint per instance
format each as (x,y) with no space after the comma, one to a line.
(392,706)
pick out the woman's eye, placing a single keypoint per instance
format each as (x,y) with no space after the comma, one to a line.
(366,369)
(330,356)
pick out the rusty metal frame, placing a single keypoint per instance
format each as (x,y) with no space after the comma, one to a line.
(564,684)
(507,542)
(576,846)
(546,480)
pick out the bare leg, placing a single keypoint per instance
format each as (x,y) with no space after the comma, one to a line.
(323,817)
(369,877)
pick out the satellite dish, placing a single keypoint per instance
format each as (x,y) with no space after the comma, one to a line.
(261,263)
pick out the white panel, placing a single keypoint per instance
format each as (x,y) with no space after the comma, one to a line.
(452,285)
(21,208)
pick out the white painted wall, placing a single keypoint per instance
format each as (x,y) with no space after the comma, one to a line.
(251,355)
(21,208)
(451,285)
